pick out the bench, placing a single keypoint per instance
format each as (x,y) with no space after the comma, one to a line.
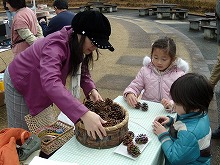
(209,32)
(85,7)
(147,11)
(181,14)
(104,8)
(172,14)
(181,9)
(195,24)
(143,12)
(114,7)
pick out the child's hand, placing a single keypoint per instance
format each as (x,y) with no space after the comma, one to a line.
(163,120)
(158,128)
(131,99)
(167,105)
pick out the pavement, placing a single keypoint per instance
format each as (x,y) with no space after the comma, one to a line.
(132,37)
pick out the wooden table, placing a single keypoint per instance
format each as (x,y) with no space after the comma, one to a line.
(139,122)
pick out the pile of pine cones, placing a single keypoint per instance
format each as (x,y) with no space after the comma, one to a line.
(107,110)
(133,149)
(143,106)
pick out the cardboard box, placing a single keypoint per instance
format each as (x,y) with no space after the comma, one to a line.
(2,98)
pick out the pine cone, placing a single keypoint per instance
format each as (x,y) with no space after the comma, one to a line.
(108,101)
(103,114)
(133,150)
(130,133)
(144,107)
(110,122)
(115,107)
(161,120)
(141,139)
(127,139)
(89,104)
(138,105)
(107,108)
(99,104)
(117,114)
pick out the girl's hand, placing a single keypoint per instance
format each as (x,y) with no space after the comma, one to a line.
(166,103)
(158,128)
(131,99)
(94,95)
(93,124)
(163,120)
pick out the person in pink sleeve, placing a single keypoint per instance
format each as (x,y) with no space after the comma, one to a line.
(25,27)
(155,78)
(36,78)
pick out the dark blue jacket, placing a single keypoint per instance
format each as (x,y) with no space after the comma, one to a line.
(62,19)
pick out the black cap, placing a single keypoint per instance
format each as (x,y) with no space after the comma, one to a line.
(95,26)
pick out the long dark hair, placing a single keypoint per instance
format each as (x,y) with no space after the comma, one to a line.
(77,56)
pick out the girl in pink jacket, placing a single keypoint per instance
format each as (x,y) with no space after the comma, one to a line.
(155,78)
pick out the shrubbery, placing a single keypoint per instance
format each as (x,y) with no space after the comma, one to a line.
(199,6)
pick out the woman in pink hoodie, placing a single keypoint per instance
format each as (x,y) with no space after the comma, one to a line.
(155,78)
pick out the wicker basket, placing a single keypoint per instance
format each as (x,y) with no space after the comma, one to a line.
(114,136)
(44,118)
(47,119)
(52,145)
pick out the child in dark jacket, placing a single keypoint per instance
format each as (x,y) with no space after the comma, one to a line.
(188,139)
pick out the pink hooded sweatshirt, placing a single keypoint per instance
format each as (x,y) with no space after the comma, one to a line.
(39,73)
(156,85)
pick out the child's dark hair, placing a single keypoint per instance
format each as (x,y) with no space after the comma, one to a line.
(60,4)
(193,91)
(167,44)
(18,4)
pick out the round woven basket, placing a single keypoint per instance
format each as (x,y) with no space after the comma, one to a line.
(114,136)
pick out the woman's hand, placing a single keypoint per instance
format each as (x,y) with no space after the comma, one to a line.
(158,128)
(93,124)
(131,99)
(94,95)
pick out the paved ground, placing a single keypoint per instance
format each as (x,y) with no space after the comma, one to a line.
(132,37)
